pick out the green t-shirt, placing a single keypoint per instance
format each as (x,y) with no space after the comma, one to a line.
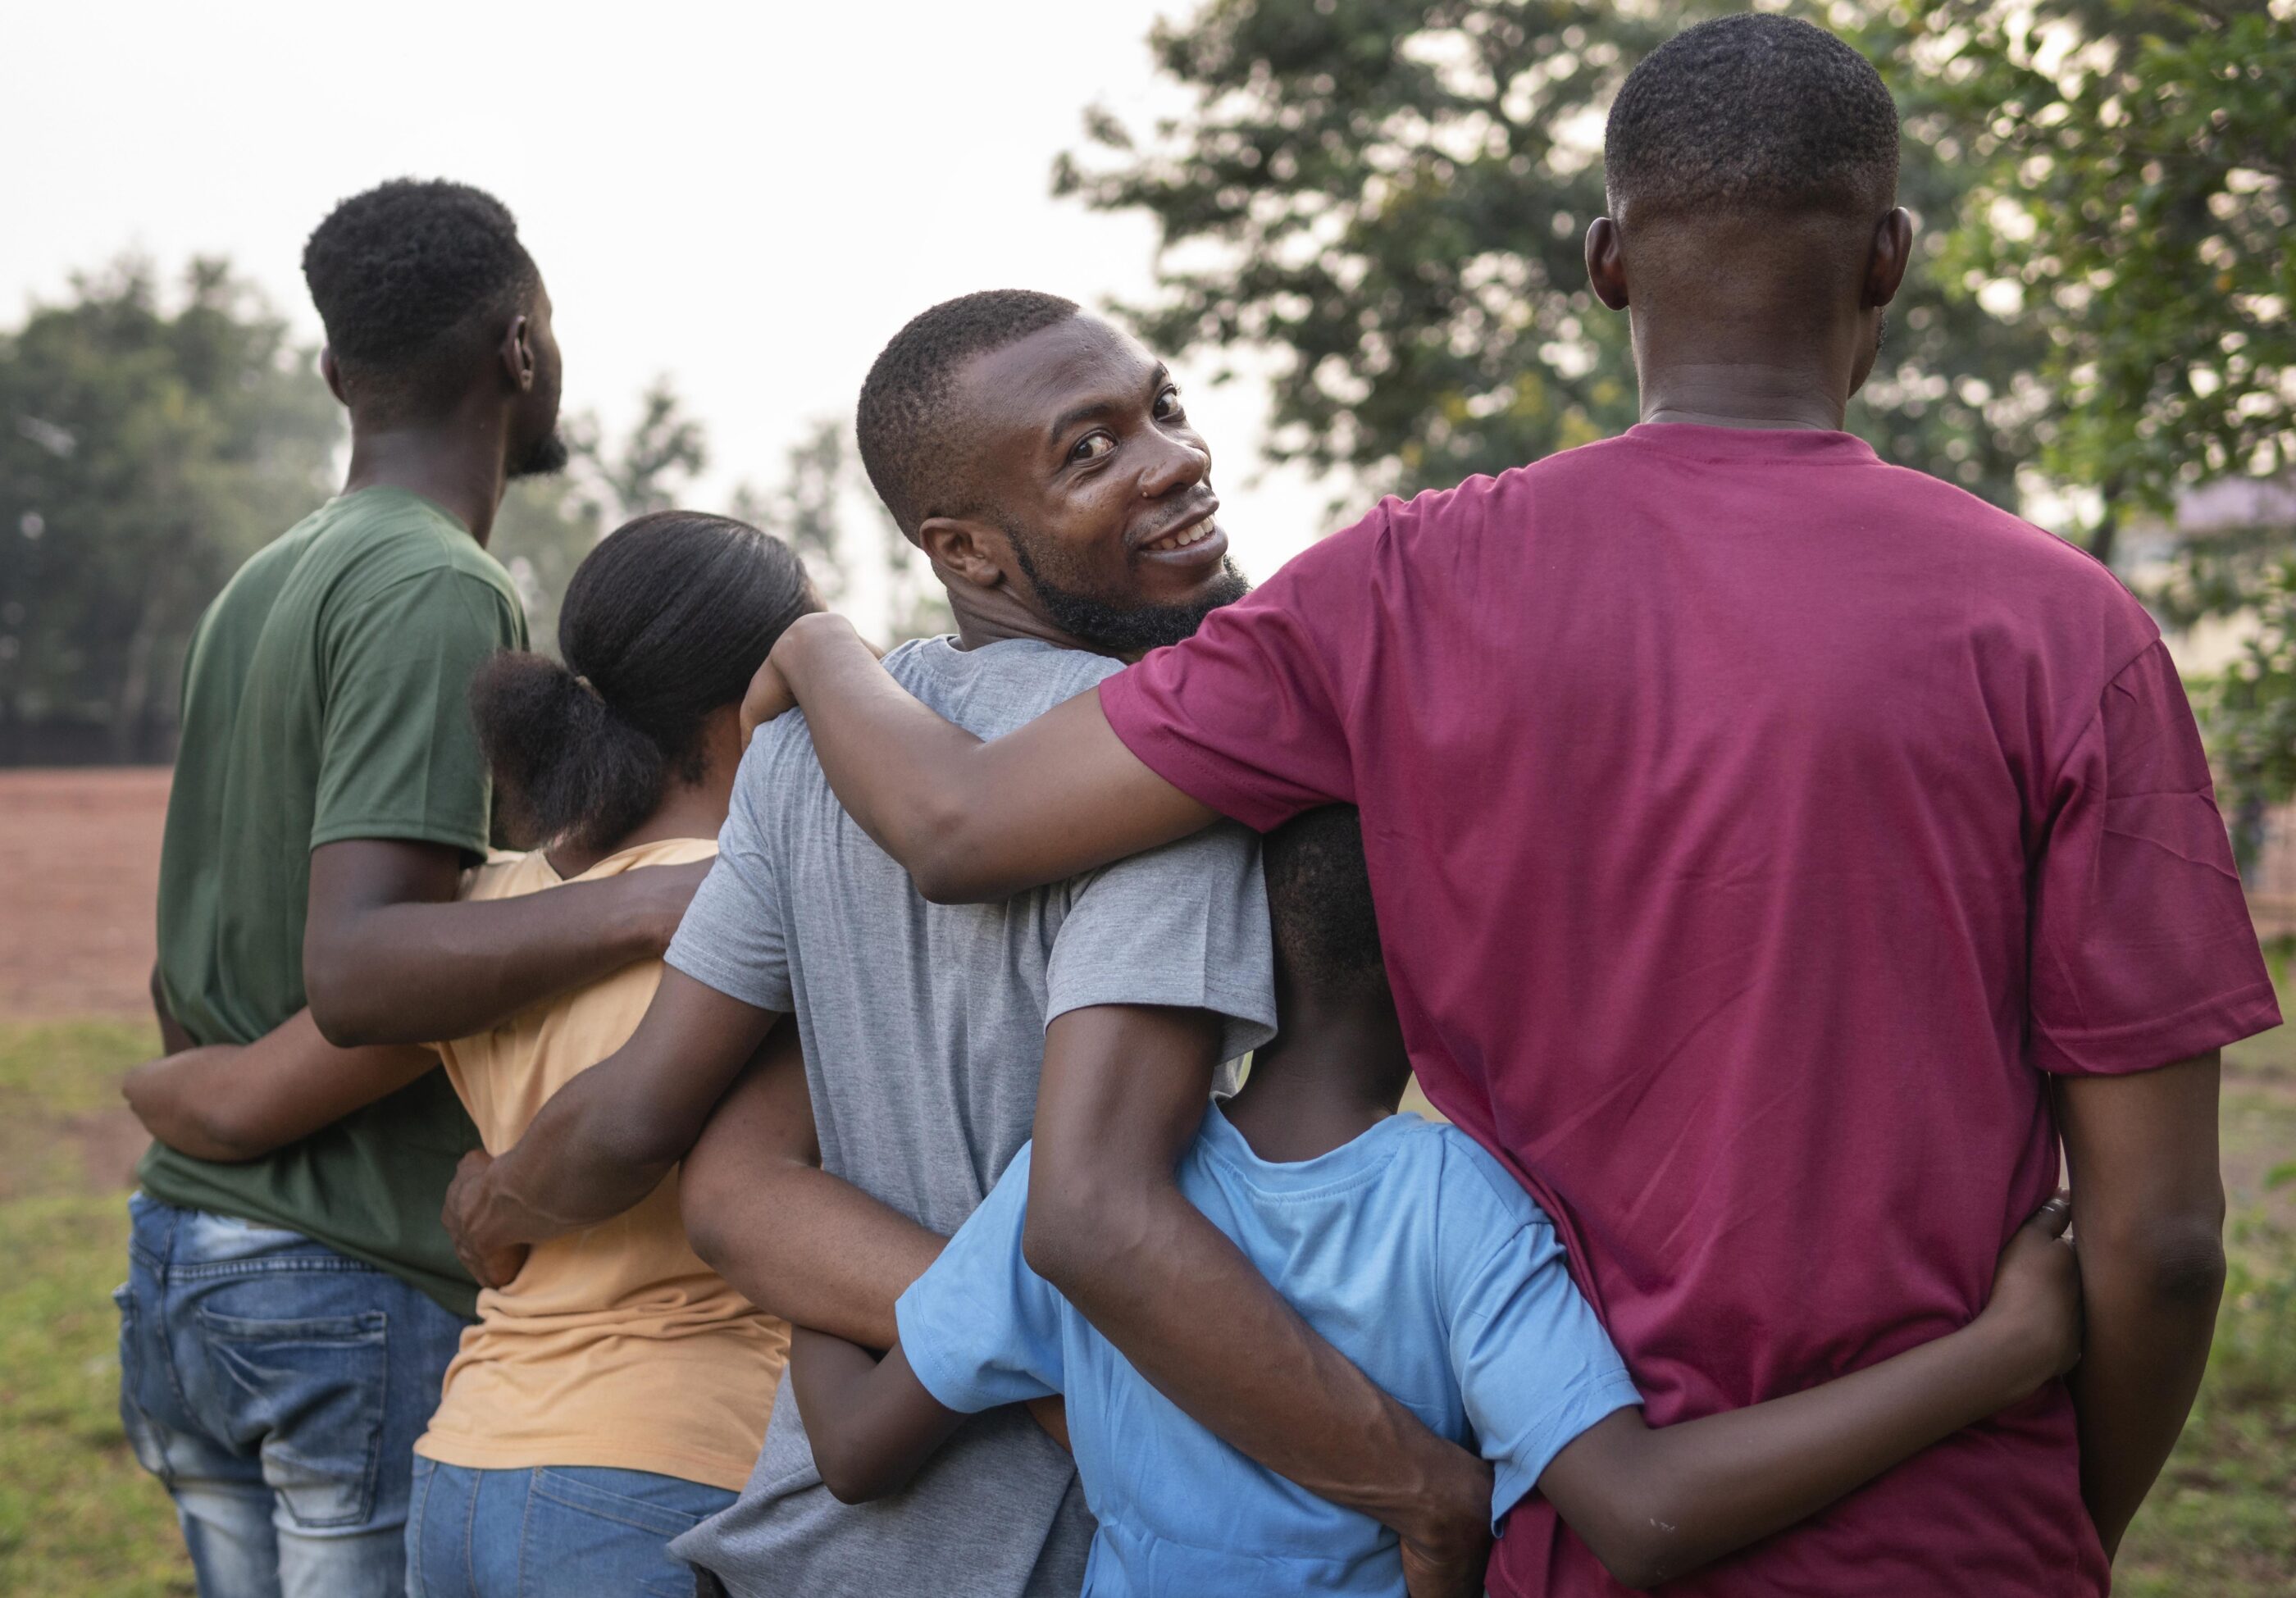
(325,698)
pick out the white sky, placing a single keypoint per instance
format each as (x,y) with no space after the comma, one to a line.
(750,197)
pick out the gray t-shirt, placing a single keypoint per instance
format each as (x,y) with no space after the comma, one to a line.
(923,1027)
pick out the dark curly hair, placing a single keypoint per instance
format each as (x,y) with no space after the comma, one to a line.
(910,442)
(664,622)
(1319,900)
(414,282)
(1753,111)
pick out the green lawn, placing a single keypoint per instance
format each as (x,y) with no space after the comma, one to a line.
(78,1516)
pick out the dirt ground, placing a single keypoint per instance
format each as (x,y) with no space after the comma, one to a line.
(79,851)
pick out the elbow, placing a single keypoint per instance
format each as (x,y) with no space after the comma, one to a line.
(209,1131)
(1635,1562)
(2172,1256)
(708,1200)
(2183,1267)
(342,1008)
(850,1478)
(1078,1235)
(1636,1547)
(940,858)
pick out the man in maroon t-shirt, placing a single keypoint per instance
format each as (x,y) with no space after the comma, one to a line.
(1778,853)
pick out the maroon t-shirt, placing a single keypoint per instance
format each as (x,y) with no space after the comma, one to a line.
(1753,825)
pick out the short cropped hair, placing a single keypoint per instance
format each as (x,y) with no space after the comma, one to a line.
(910,442)
(1753,111)
(414,282)
(1319,900)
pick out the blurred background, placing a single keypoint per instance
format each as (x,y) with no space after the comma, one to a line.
(1353,228)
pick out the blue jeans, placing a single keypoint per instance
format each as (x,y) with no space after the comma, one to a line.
(277,1388)
(562,1529)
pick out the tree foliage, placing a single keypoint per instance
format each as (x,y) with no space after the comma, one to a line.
(148,444)
(1389,196)
(1386,198)
(2132,163)
(150,440)
(2134,167)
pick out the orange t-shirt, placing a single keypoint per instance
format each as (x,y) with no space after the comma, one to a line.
(614,1346)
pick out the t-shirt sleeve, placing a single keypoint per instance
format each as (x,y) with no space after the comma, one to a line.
(400,757)
(2142,951)
(1185,925)
(1535,1367)
(1247,716)
(733,937)
(980,1328)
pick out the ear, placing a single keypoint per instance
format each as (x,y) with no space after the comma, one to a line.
(972,552)
(1606,267)
(518,353)
(1886,261)
(333,374)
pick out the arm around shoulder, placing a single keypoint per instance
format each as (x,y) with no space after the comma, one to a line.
(970,820)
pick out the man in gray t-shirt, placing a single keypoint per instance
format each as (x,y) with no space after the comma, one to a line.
(923,1026)
(1042,460)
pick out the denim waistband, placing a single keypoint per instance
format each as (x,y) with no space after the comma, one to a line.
(198,1243)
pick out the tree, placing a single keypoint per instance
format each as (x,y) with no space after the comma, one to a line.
(146,449)
(1390,195)
(2132,164)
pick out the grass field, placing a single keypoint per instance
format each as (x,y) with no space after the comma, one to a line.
(77,1517)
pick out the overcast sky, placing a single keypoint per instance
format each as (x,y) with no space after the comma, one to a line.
(750,198)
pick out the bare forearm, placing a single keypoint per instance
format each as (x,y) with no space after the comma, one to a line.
(176,1098)
(228,1102)
(607,1138)
(2148,1210)
(1177,1297)
(812,1249)
(2150,1326)
(1656,1503)
(872,1424)
(418,972)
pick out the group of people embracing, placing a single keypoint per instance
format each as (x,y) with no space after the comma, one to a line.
(929,1125)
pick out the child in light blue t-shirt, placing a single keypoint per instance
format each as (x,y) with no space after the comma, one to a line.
(1415,1254)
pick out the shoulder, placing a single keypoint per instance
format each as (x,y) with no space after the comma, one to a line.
(393,537)
(991,690)
(1473,1183)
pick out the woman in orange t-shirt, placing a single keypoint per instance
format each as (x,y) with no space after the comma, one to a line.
(615,1392)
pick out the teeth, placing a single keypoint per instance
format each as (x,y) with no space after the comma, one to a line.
(1181,540)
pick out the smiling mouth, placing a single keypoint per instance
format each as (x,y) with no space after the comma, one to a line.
(1192,531)
(1186,536)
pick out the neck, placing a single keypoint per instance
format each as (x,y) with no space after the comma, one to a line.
(1761,359)
(686,810)
(1336,1070)
(459,462)
(986,616)
(1741,394)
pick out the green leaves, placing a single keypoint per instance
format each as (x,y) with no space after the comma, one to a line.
(149,442)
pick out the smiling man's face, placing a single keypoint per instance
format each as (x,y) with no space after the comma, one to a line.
(1089,470)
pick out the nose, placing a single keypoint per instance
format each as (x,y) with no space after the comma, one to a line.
(1172,465)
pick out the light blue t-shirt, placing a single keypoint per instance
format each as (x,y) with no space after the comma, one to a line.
(1410,1249)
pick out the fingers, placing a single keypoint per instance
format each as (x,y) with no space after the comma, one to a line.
(2054,1216)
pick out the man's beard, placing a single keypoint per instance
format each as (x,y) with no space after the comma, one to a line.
(1126,629)
(547,454)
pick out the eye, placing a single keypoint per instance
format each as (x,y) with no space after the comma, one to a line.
(1168,407)
(1092,446)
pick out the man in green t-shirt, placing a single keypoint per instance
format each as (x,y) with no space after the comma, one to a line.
(288,1319)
